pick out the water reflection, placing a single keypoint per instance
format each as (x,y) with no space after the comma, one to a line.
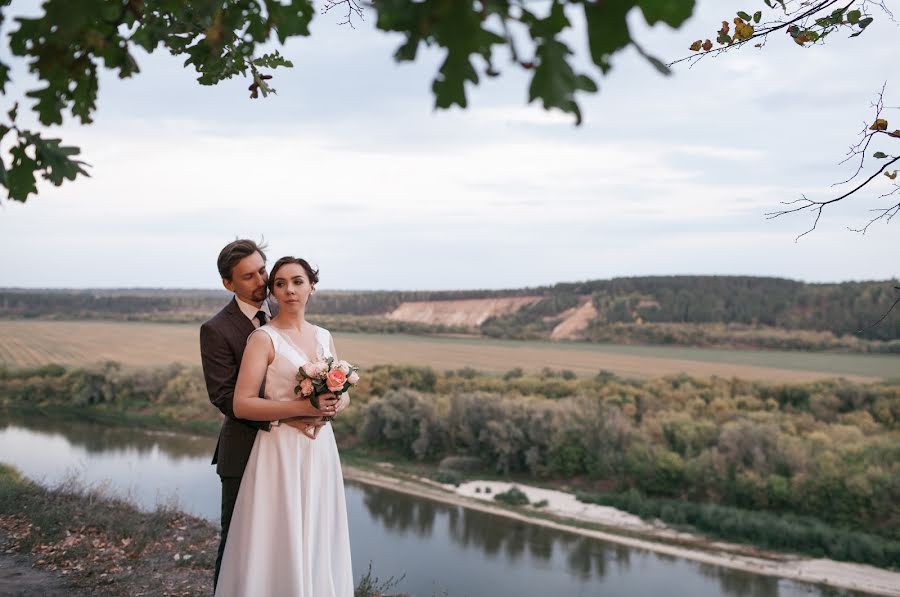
(146,468)
(493,536)
(741,585)
(438,547)
(521,550)
(401,516)
(97,439)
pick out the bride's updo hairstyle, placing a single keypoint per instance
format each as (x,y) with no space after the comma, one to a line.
(312,274)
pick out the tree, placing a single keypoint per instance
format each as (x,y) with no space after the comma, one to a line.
(72,40)
(809,23)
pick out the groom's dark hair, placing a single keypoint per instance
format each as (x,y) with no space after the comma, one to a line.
(234,251)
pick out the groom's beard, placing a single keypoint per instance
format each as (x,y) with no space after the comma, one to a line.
(260,295)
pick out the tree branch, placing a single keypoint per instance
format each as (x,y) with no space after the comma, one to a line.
(883,317)
(353,8)
(765,31)
(818,206)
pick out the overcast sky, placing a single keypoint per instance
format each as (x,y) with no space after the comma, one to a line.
(350,167)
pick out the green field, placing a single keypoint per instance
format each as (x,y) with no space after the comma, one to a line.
(34,343)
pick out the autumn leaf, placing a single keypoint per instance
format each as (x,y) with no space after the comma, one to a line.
(695,47)
(891,175)
(725,28)
(880,124)
(742,30)
(895,133)
(707,46)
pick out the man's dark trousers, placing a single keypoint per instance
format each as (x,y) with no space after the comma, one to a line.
(222,342)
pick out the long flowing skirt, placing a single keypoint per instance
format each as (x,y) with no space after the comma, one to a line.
(289,534)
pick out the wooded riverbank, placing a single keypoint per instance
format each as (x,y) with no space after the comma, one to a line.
(820,458)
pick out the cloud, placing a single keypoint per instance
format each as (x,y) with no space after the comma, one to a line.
(351,166)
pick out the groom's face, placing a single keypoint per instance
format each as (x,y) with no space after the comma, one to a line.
(248,279)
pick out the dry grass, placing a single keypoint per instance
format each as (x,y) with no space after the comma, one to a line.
(34,343)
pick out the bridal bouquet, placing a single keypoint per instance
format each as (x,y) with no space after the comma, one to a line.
(325,376)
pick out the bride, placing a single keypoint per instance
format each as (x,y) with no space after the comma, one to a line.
(289,535)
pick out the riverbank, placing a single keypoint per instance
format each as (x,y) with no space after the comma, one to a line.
(97,545)
(72,541)
(615,525)
(563,512)
(100,546)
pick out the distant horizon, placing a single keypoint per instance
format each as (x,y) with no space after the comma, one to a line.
(457,289)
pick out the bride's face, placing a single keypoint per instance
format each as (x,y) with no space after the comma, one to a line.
(291,288)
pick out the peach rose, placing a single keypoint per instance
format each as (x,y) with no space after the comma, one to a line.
(353,378)
(306,387)
(336,380)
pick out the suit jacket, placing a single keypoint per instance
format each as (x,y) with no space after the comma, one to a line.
(222,342)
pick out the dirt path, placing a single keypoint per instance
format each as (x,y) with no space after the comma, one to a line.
(18,578)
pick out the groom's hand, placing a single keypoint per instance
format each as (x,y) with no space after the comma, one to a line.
(302,423)
(328,405)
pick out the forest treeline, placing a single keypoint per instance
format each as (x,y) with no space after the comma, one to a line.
(827,452)
(730,311)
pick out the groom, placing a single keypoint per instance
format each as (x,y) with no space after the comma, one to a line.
(242,266)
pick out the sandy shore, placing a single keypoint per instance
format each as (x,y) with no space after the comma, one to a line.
(563,512)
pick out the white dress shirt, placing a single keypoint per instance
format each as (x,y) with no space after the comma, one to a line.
(251,310)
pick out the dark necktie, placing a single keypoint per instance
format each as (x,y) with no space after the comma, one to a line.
(261,317)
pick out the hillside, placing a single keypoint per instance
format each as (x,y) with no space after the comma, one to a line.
(737,311)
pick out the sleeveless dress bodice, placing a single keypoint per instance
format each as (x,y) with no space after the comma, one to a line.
(282,371)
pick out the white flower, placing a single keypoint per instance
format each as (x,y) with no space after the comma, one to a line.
(310,369)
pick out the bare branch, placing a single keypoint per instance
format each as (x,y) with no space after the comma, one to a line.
(860,148)
(883,317)
(818,206)
(354,8)
(883,214)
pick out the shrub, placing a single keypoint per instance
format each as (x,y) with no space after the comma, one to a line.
(512,497)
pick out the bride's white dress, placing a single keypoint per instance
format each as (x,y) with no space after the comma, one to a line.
(289,534)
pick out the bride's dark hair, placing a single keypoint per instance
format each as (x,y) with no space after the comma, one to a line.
(312,274)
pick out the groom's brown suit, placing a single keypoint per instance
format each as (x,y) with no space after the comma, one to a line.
(222,342)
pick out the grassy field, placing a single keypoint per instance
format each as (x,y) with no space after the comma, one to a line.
(34,343)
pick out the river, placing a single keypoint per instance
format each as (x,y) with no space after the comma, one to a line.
(441,549)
